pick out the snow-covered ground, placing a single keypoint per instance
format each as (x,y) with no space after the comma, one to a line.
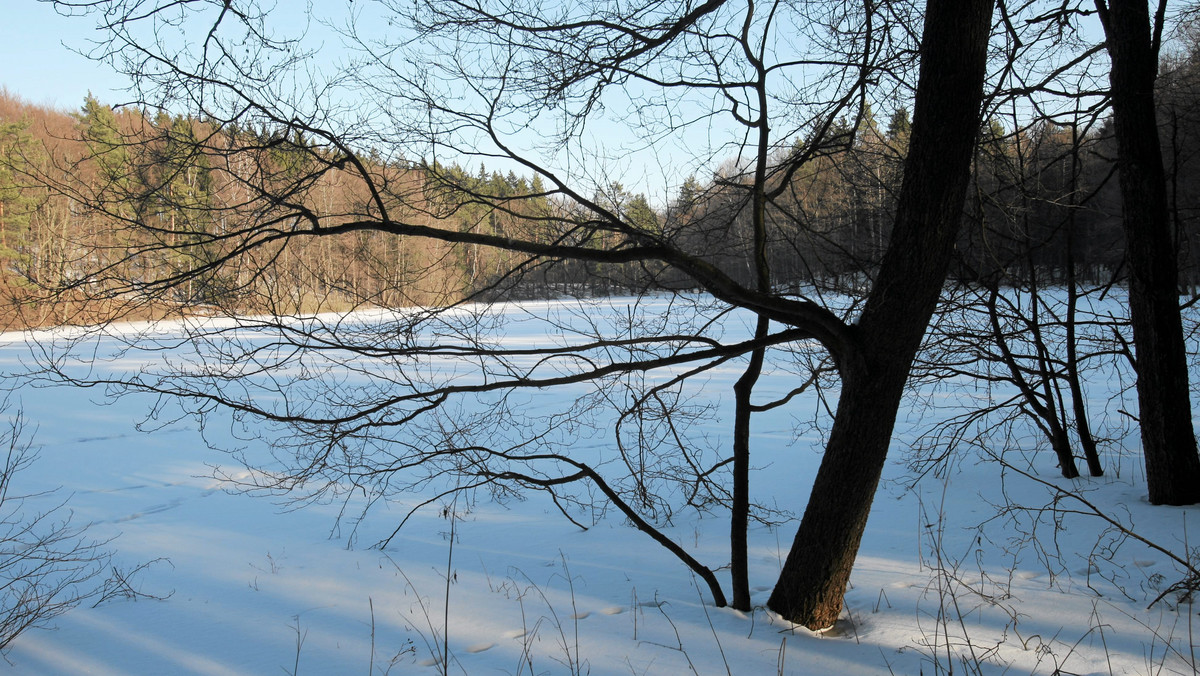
(946,579)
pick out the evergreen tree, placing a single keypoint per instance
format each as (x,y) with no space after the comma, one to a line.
(899,126)
(106,146)
(16,204)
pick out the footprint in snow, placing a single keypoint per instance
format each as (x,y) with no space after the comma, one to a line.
(155,509)
(114,490)
(515,633)
(580,615)
(88,440)
(613,610)
(480,647)
(1144,563)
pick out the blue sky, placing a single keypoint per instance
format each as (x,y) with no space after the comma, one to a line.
(40,68)
(36,46)
(39,65)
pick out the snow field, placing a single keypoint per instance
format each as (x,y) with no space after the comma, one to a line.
(944,577)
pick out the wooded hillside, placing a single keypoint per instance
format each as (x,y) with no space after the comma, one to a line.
(1043,203)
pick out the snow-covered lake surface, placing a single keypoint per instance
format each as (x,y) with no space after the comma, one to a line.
(945,579)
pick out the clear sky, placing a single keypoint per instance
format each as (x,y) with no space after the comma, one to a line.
(38,65)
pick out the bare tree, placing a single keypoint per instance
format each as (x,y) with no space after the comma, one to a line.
(875,366)
(1012,323)
(767,81)
(48,565)
(1165,418)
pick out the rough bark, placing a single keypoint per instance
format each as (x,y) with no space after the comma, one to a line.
(1168,441)
(888,335)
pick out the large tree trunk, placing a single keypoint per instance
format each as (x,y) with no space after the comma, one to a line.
(945,125)
(1168,442)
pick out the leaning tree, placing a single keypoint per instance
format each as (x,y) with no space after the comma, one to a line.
(270,187)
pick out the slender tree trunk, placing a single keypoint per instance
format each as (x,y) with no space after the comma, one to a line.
(945,126)
(1168,442)
(1078,402)
(1053,412)
(1042,407)
(740,509)
(740,516)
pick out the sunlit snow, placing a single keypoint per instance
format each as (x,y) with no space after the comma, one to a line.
(250,587)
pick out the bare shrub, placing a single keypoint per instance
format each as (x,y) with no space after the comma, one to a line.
(48,564)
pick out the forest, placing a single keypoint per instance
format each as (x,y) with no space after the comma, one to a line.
(1043,207)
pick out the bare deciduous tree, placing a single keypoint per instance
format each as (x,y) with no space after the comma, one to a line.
(378,404)
(1165,417)
(48,565)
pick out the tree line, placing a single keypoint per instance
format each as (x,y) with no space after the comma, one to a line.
(1043,203)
